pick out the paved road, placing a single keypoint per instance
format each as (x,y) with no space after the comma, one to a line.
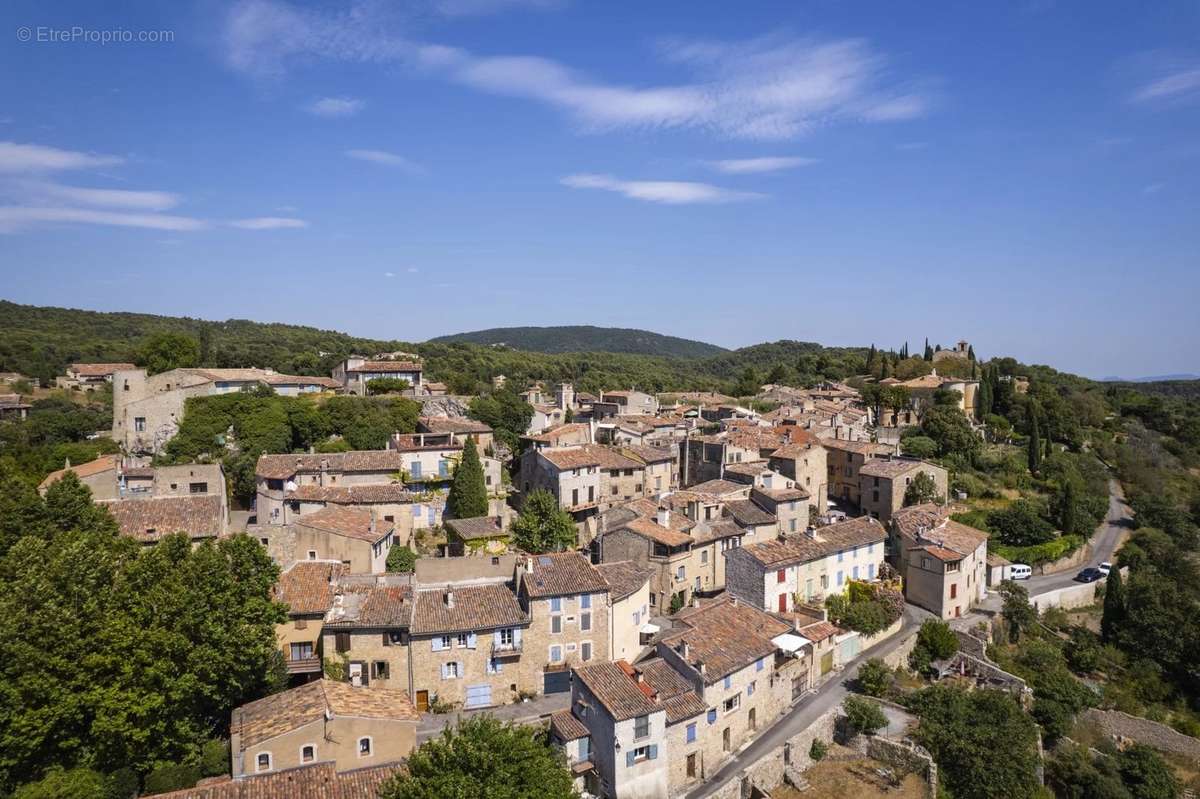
(1117,523)
(798,719)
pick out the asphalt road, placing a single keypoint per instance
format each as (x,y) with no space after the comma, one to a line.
(810,708)
(1118,522)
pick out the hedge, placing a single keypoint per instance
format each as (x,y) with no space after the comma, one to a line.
(1040,553)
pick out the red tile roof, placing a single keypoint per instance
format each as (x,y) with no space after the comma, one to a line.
(562,574)
(386,366)
(307,586)
(100,369)
(476,607)
(102,464)
(148,520)
(565,727)
(283,712)
(315,781)
(619,693)
(346,521)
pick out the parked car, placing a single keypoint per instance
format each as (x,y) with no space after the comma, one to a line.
(1089,575)
(1019,571)
(1105,568)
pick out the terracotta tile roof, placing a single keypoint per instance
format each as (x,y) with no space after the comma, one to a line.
(648,528)
(307,586)
(801,549)
(648,454)
(589,455)
(562,574)
(553,434)
(616,690)
(315,781)
(908,521)
(476,528)
(390,493)
(747,468)
(941,553)
(706,532)
(476,607)
(997,560)
(271,378)
(819,631)
(719,488)
(955,536)
(925,381)
(346,521)
(100,369)
(725,636)
(566,728)
(283,712)
(387,366)
(371,600)
(102,464)
(857,447)
(780,494)
(890,469)
(746,512)
(13,401)
(368,460)
(446,424)
(148,520)
(675,691)
(624,578)
(798,448)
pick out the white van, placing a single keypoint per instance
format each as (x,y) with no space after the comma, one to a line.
(1019,571)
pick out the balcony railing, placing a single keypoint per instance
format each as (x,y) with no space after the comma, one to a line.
(303,665)
(506,650)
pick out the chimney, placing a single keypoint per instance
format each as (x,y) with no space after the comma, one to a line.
(701,669)
(529,564)
(684,649)
(695,601)
(448,598)
(663,517)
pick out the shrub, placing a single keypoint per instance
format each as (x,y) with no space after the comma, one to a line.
(874,677)
(1020,524)
(867,618)
(936,637)
(401,559)
(818,750)
(79,783)
(922,447)
(214,758)
(167,777)
(863,715)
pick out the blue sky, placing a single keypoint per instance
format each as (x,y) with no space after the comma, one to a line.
(1020,174)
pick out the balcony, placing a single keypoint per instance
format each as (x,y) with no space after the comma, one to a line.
(509,650)
(309,665)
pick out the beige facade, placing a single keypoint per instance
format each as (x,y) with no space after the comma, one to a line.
(944,563)
(807,465)
(843,460)
(884,481)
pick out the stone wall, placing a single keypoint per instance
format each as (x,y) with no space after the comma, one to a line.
(899,655)
(1075,596)
(868,641)
(903,755)
(1159,736)
(1074,560)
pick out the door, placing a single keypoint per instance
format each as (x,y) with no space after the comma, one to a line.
(557,682)
(422,701)
(691,765)
(725,740)
(783,603)
(753,718)
(827,662)
(479,696)
(358,674)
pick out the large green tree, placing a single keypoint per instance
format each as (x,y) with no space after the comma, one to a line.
(542,525)
(1016,610)
(163,352)
(1114,607)
(483,758)
(468,495)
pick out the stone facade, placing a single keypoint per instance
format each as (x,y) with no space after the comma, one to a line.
(884,481)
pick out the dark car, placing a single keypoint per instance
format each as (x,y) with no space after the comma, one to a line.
(1089,575)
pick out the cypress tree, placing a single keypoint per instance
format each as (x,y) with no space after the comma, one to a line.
(971,353)
(1035,442)
(1114,607)
(1066,511)
(928,350)
(468,494)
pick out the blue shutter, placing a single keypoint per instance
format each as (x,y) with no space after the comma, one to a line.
(629,759)
(471,640)
(517,636)
(437,643)
(691,732)
(443,671)
(653,751)
(712,717)
(496,638)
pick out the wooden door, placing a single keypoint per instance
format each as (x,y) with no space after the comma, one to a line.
(423,701)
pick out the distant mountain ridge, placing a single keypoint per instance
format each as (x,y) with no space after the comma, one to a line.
(1152,379)
(587,338)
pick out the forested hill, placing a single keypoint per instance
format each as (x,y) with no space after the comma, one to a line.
(587,338)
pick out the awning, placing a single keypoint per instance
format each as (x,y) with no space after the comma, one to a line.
(790,643)
(649,629)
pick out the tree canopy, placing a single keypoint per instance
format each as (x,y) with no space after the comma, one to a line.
(468,494)
(542,525)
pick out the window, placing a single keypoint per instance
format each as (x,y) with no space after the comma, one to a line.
(441,642)
(312,554)
(308,753)
(364,747)
(494,666)
(555,653)
(450,671)
(574,496)
(712,716)
(854,573)
(302,651)
(443,468)
(197,488)
(680,573)
(614,491)
(393,638)
(585,601)
(791,525)
(728,682)
(379,670)
(874,496)
(781,575)
(342,642)
(585,621)
(840,554)
(639,754)
(591,493)
(759,664)
(507,638)
(556,604)
(704,556)
(871,571)
(414,469)
(733,703)
(953,590)
(750,688)
(139,425)
(461,640)
(263,762)
(641,728)
(556,624)
(870,549)
(840,579)
(691,732)
(585,651)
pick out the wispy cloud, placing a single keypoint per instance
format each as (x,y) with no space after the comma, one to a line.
(1153,188)
(389,274)
(467,8)
(1175,86)
(412,270)
(19,217)
(15,157)
(268,223)
(667,192)
(334,107)
(909,146)
(385,158)
(775,87)
(108,198)
(749,166)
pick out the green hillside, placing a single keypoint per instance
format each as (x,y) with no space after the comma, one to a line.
(587,338)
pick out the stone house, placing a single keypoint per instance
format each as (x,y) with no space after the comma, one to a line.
(632,403)
(349,535)
(565,435)
(12,407)
(585,479)
(307,588)
(656,544)
(354,373)
(944,564)
(843,460)
(882,483)
(90,376)
(628,606)
(461,428)
(322,721)
(481,536)
(368,628)
(567,601)
(201,517)
(147,409)
(775,575)
(99,475)
(468,646)
(661,473)
(804,461)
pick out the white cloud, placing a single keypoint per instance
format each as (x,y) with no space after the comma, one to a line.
(15,217)
(1153,188)
(1176,86)
(389,274)
(776,87)
(749,166)
(109,198)
(16,157)
(412,270)
(268,223)
(464,8)
(334,107)
(667,192)
(385,159)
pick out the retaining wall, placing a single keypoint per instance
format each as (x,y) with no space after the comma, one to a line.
(1075,596)
(1144,731)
